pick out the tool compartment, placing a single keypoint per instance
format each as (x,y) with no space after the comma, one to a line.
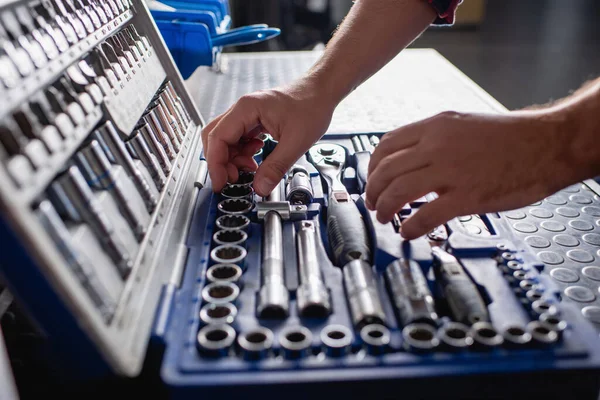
(117,247)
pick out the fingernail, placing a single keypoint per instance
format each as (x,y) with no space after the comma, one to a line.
(264,186)
(369,205)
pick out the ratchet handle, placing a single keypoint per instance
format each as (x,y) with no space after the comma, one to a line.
(347,233)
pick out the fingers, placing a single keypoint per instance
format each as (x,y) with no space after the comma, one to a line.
(402,190)
(243,117)
(401,138)
(429,216)
(391,167)
(274,167)
(208,128)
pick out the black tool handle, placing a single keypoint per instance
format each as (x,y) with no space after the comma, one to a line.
(347,233)
(362,168)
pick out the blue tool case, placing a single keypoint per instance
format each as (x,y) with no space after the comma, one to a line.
(129,266)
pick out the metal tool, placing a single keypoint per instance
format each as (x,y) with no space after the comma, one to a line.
(376,338)
(230,236)
(235,206)
(299,188)
(295,342)
(168,123)
(48,25)
(220,292)
(541,334)
(553,322)
(410,293)
(362,157)
(273,298)
(463,297)
(149,135)
(516,336)
(75,194)
(245,178)
(229,254)
(336,340)
(175,97)
(420,338)
(81,266)
(224,273)
(348,237)
(167,101)
(362,294)
(78,26)
(82,84)
(216,340)
(454,336)
(110,137)
(544,307)
(11,28)
(138,147)
(40,36)
(312,295)
(16,54)
(234,191)
(151,119)
(256,343)
(218,313)
(485,335)
(228,221)
(100,174)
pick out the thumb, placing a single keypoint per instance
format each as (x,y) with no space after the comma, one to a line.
(274,167)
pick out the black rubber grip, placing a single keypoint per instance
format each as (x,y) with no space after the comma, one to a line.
(362,168)
(347,233)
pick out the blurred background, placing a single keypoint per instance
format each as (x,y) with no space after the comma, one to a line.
(521,52)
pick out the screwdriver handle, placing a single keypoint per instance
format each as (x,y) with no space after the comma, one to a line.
(347,233)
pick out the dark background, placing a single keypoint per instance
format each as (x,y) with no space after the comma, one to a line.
(522,53)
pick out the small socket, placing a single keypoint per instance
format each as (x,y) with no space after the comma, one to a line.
(256,344)
(455,336)
(516,336)
(336,339)
(295,341)
(220,292)
(218,313)
(224,273)
(376,338)
(235,206)
(235,191)
(544,307)
(520,276)
(420,337)
(230,236)
(485,336)
(228,254)
(508,256)
(238,222)
(511,266)
(542,335)
(527,284)
(245,178)
(553,322)
(534,295)
(215,340)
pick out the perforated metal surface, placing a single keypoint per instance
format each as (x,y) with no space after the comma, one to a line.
(564,231)
(386,101)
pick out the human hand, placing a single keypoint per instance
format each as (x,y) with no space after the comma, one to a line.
(475,163)
(296,116)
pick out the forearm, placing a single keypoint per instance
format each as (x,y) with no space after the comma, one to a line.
(370,36)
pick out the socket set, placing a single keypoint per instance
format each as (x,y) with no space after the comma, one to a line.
(98,138)
(124,257)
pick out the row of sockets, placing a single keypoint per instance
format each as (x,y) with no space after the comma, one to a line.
(111,187)
(49,122)
(33,35)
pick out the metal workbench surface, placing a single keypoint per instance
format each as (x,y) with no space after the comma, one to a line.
(564,230)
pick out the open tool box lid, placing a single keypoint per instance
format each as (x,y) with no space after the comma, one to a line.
(80,339)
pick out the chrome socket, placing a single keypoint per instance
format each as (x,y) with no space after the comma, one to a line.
(295,342)
(516,336)
(510,267)
(454,336)
(224,273)
(534,295)
(228,254)
(527,285)
(220,292)
(256,344)
(234,191)
(485,335)
(230,237)
(420,338)
(376,338)
(216,340)
(541,334)
(336,340)
(544,307)
(235,206)
(238,222)
(365,305)
(245,178)
(518,277)
(216,314)
(553,322)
